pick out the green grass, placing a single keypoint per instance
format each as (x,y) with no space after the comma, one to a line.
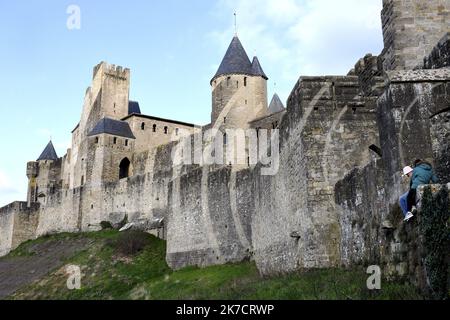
(147,276)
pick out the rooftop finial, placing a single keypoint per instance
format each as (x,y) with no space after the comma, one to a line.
(235,24)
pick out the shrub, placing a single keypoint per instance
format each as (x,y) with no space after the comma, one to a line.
(106,225)
(131,242)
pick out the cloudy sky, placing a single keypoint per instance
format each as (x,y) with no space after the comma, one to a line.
(173,48)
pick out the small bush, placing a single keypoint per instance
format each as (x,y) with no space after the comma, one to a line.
(106,225)
(131,242)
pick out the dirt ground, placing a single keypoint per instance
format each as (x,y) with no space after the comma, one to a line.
(16,272)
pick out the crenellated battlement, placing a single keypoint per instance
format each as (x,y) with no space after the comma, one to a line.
(112,70)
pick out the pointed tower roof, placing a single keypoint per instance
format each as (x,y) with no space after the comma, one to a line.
(257,69)
(49,153)
(236,60)
(133,107)
(276,105)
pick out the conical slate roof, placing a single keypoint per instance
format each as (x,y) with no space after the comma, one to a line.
(113,127)
(49,153)
(236,60)
(276,105)
(257,69)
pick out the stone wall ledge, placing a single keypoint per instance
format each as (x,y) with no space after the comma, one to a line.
(402,76)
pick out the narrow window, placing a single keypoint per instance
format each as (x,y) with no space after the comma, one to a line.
(96,139)
(143,126)
(225,120)
(177,131)
(224,138)
(82,180)
(126,143)
(237,84)
(166,130)
(228,81)
(115,140)
(245,81)
(154,128)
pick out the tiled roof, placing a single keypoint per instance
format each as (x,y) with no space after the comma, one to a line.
(49,153)
(113,127)
(236,60)
(257,69)
(133,107)
(276,105)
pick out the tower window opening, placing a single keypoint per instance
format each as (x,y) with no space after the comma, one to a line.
(154,128)
(126,143)
(166,130)
(96,139)
(124,169)
(225,138)
(177,131)
(228,81)
(245,81)
(115,140)
(237,84)
(225,120)
(143,126)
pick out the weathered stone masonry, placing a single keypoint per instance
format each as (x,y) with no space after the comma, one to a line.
(326,204)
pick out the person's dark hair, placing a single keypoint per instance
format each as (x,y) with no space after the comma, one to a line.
(417,162)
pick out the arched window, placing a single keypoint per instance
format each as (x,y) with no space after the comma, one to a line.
(166,130)
(154,128)
(124,169)
(143,126)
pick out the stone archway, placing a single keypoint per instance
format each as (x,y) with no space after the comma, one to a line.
(124,168)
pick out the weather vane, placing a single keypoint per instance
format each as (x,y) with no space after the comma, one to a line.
(235,23)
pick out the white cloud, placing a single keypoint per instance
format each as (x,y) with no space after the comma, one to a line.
(303,37)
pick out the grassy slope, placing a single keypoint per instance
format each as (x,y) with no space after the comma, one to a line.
(147,276)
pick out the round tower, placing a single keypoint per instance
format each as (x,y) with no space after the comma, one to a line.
(239,90)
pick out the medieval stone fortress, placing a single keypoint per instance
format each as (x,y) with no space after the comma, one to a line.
(342,143)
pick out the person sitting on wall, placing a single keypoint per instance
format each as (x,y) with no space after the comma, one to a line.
(407,172)
(423,174)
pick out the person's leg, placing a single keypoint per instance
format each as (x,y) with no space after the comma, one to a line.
(404,203)
(411,199)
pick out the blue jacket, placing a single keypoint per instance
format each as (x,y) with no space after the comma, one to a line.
(423,174)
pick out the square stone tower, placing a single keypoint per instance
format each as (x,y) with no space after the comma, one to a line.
(411,28)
